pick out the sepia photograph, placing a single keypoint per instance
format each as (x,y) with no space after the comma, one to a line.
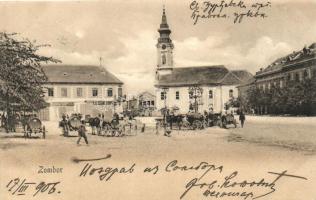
(158,99)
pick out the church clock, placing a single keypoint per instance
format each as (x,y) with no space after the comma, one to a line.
(164,48)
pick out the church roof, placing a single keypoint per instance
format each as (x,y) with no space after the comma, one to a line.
(206,75)
(79,74)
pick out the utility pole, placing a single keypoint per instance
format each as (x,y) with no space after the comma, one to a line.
(165,90)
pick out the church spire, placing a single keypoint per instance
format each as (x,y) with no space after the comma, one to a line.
(164,23)
(164,30)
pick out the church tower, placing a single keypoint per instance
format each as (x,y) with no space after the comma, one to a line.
(164,48)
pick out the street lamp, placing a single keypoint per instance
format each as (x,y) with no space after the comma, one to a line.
(195,92)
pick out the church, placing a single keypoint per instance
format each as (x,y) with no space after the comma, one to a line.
(195,88)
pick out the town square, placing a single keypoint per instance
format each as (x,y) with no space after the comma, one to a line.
(174,100)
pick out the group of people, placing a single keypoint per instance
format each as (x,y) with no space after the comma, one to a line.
(208,118)
(96,123)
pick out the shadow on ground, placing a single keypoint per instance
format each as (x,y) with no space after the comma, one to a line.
(10,145)
(306,148)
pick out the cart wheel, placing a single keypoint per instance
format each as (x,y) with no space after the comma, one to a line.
(44,132)
(185,125)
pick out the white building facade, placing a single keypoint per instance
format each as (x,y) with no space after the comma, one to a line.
(89,90)
(212,98)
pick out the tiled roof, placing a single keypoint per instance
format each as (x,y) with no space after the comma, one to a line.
(79,74)
(206,75)
(243,75)
(297,56)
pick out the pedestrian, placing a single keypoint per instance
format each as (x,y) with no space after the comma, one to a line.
(242,118)
(65,125)
(1,118)
(82,133)
(99,126)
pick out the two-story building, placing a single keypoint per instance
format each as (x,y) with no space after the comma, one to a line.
(89,90)
(297,66)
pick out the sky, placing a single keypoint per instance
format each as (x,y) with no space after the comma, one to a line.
(124,33)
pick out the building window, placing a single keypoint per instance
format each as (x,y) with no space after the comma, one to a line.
(152,103)
(120,92)
(231,93)
(94,92)
(63,92)
(50,92)
(305,74)
(289,77)
(210,94)
(79,92)
(177,95)
(297,77)
(163,59)
(163,96)
(110,92)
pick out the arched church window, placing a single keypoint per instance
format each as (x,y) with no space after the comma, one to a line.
(210,94)
(231,93)
(164,59)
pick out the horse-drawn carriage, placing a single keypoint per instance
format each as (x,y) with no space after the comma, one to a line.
(196,121)
(33,125)
(108,125)
(71,125)
(193,121)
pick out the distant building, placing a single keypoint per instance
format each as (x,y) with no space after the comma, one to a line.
(146,103)
(295,66)
(80,89)
(142,105)
(205,88)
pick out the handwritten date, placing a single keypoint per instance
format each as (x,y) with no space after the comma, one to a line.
(19,187)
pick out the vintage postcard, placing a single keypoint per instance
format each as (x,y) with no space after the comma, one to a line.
(158,99)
